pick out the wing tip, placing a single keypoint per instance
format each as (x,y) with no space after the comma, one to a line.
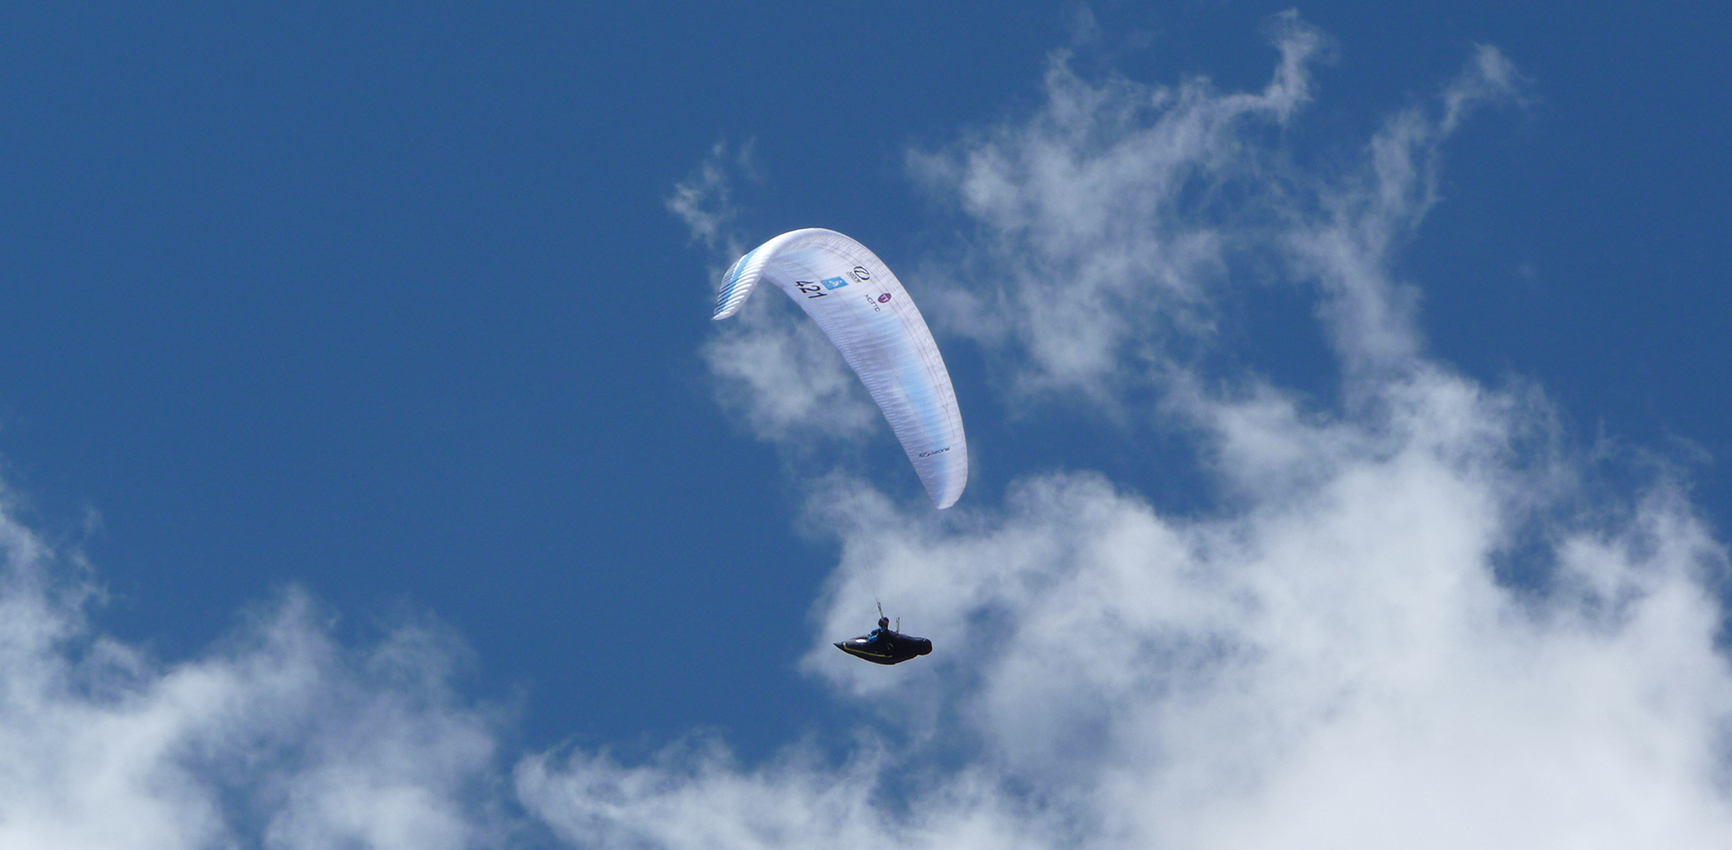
(946,500)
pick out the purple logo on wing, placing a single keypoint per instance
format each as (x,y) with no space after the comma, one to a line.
(884,299)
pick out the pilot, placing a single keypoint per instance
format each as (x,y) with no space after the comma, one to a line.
(882,630)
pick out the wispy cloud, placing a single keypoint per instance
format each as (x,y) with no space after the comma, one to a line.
(1103,221)
(1108,225)
(278,737)
(705,199)
(778,376)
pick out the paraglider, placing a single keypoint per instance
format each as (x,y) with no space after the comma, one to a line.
(884,645)
(864,311)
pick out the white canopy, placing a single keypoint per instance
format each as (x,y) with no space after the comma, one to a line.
(868,316)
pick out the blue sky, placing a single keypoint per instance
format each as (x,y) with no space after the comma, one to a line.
(367,344)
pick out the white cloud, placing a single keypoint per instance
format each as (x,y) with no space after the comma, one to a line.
(1338,665)
(779,377)
(278,738)
(1105,219)
(775,373)
(705,199)
(1329,660)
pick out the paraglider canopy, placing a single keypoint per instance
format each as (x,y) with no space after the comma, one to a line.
(860,305)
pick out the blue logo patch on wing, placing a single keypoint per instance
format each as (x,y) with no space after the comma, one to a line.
(833,283)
